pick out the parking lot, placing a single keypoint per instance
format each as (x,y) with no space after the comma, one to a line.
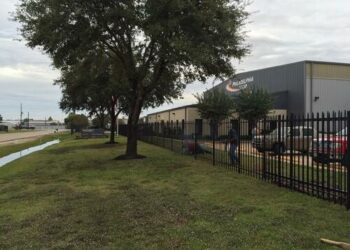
(247,149)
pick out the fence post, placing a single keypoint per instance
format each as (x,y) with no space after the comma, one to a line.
(346,161)
(183,135)
(213,138)
(163,133)
(195,140)
(291,146)
(264,147)
(239,144)
(152,132)
(171,133)
(279,155)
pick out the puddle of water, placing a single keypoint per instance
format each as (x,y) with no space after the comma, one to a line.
(12,157)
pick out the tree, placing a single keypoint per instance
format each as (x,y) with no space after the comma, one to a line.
(215,105)
(253,104)
(50,119)
(76,122)
(160,45)
(99,122)
(0,118)
(92,85)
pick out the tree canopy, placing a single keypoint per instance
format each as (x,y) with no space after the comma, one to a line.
(160,45)
(215,105)
(76,122)
(93,85)
(253,104)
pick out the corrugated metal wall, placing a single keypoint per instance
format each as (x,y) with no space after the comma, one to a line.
(290,86)
(286,80)
(333,71)
(334,95)
(330,89)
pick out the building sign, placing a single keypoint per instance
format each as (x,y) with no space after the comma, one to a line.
(236,86)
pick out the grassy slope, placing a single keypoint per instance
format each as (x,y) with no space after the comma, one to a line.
(74,195)
(12,148)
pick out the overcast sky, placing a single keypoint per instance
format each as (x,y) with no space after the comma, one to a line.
(279,32)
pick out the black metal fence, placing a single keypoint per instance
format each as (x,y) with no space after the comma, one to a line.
(303,153)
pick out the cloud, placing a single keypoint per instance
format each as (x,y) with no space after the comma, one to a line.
(14,52)
(282,32)
(25,71)
(279,32)
(25,74)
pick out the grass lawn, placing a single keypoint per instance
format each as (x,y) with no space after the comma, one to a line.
(74,195)
(253,165)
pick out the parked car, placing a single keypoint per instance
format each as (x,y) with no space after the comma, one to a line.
(302,139)
(330,148)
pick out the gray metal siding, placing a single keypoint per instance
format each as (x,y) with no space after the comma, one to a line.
(329,83)
(280,100)
(334,95)
(288,79)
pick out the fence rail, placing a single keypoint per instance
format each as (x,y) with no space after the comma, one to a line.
(307,154)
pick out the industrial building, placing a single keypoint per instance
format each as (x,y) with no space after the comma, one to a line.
(34,124)
(297,88)
(187,113)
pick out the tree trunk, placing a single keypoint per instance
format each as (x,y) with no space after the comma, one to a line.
(100,118)
(113,121)
(134,114)
(71,128)
(131,147)
(102,121)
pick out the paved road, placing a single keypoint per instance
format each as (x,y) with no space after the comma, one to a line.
(21,137)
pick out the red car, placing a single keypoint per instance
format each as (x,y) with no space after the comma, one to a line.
(330,148)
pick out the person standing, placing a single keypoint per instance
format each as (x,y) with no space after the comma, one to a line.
(233,140)
(255,132)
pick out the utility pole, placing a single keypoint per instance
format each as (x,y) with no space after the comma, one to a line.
(20,119)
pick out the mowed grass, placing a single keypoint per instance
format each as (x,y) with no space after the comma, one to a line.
(76,196)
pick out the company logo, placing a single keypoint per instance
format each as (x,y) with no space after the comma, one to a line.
(236,86)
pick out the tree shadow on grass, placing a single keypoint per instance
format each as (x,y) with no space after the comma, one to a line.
(68,149)
(126,157)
